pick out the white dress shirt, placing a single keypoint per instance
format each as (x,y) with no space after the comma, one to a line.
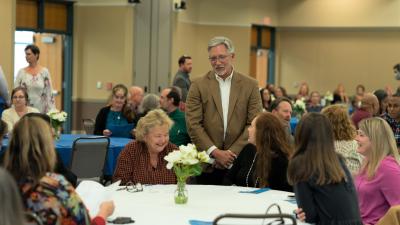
(225,90)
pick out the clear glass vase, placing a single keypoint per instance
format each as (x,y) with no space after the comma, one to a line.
(57,132)
(181,193)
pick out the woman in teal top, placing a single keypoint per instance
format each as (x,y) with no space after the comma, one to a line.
(116,119)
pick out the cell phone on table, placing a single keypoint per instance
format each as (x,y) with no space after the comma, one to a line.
(121,220)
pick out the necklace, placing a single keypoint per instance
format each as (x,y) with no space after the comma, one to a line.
(248,173)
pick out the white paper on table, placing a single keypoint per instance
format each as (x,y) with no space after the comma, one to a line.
(93,194)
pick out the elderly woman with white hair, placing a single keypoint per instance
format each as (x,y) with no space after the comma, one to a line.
(142,160)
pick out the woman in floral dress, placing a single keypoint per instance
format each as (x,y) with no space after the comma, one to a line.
(37,81)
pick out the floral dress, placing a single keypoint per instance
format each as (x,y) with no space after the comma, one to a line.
(54,200)
(38,87)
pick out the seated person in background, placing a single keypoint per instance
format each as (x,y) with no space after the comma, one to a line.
(150,102)
(266,99)
(322,183)
(356,99)
(282,108)
(392,116)
(340,96)
(11,212)
(369,108)
(142,160)
(280,92)
(303,93)
(19,107)
(263,162)
(314,105)
(136,95)
(31,159)
(383,100)
(169,101)
(378,182)
(116,119)
(344,132)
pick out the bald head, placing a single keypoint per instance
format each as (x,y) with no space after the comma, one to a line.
(136,95)
(370,103)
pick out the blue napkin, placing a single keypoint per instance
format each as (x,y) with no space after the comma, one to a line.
(257,191)
(293,201)
(200,222)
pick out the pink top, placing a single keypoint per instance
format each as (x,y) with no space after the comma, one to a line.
(376,196)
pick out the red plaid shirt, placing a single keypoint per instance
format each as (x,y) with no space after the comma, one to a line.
(134,165)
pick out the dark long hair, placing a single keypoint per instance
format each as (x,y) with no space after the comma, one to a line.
(271,141)
(315,155)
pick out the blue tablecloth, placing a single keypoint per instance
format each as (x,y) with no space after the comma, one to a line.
(64,148)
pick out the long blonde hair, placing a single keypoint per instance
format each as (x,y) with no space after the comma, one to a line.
(31,150)
(383,144)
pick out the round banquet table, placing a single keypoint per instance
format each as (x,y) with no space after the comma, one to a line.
(155,205)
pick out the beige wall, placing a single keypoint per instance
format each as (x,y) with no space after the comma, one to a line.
(321,42)
(339,13)
(103,49)
(7,28)
(231,12)
(326,58)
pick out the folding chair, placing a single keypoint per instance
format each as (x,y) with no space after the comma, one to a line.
(88,125)
(89,155)
(272,219)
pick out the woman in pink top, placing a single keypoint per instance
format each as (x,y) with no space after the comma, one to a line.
(378,183)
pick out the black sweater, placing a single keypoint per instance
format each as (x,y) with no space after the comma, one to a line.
(277,178)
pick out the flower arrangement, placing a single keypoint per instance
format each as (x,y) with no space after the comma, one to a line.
(328,98)
(299,108)
(186,162)
(57,118)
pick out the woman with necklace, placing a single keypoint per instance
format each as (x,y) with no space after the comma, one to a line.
(36,80)
(19,100)
(263,162)
(115,119)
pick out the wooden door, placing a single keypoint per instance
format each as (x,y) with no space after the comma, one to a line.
(51,56)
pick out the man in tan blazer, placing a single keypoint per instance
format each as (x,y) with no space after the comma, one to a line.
(219,108)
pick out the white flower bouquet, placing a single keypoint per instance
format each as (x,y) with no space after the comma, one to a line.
(186,162)
(299,107)
(57,118)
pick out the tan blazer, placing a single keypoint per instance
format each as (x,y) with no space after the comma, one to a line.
(204,116)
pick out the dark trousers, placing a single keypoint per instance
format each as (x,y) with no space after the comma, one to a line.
(214,178)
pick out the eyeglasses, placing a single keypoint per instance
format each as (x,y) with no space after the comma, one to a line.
(131,187)
(18,97)
(220,58)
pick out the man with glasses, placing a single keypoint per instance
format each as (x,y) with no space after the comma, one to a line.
(219,108)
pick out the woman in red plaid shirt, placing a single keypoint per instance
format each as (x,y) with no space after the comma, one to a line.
(142,160)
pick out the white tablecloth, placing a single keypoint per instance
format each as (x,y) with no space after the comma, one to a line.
(155,205)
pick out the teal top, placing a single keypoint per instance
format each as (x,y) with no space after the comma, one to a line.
(118,125)
(178,132)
